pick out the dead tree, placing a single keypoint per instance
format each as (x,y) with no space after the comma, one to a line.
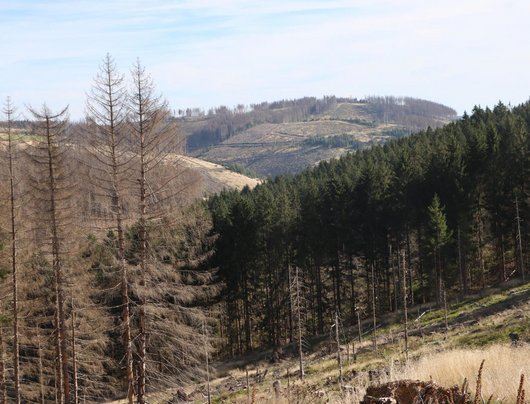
(106,118)
(74,357)
(154,138)
(52,193)
(337,341)
(158,186)
(9,112)
(296,306)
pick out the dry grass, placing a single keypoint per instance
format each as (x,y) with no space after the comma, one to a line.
(218,173)
(501,375)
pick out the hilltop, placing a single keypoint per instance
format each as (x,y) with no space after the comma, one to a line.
(290,135)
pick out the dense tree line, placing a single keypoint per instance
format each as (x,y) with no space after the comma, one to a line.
(445,209)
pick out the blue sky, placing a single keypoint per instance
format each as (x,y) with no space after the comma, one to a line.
(204,53)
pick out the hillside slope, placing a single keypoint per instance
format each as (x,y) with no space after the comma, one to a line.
(478,329)
(289,136)
(216,177)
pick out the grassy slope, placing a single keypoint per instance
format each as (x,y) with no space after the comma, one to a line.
(478,329)
(216,177)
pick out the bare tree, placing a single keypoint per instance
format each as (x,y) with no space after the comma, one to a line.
(9,112)
(106,117)
(74,357)
(158,187)
(154,135)
(296,305)
(337,342)
(151,126)
(51,196)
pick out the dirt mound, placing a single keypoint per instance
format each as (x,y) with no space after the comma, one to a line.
(414,392)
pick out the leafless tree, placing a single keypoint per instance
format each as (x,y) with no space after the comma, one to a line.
(296,305)
(51,194)
(106,119)
(9,112)
(158,187)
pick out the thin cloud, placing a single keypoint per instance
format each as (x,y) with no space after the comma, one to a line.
(204,53)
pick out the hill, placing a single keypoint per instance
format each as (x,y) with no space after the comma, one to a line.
(291,135)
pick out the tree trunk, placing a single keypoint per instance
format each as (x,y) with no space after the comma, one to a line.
(359,330)
(374,318)
(405,314)
(74,358)
(353,300)
(3,386)
(9,111)
(291,308)
(519,240)
(337,340)
(41,372)
(410,269)
(299,318)
(480,249)
(106,106)
(207,363)
(320,304)
(463,275)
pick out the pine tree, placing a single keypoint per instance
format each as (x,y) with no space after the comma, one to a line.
(439,236)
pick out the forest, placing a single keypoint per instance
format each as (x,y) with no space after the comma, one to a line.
(118,278)
(440,214)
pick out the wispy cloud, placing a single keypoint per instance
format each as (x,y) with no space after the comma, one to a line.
(208,52)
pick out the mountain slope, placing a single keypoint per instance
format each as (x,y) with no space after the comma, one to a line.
(289,136)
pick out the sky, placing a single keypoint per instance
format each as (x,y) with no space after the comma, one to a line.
(206,53)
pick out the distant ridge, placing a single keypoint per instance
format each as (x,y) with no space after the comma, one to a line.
(288,136)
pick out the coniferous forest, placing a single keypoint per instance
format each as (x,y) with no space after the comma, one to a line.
(442,213)
(114,284)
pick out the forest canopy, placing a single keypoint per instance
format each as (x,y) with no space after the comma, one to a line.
(448,206)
